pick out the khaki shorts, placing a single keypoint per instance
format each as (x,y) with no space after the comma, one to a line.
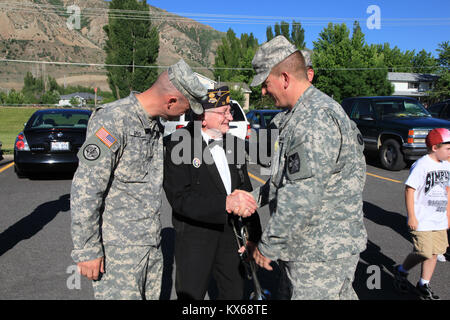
(428,243)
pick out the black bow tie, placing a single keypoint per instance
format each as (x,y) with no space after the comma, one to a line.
(213,142)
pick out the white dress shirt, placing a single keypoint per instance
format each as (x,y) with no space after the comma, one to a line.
(220,159)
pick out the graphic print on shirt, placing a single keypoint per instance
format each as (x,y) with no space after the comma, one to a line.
(436,178)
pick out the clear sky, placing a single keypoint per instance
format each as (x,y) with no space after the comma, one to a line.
(408,24)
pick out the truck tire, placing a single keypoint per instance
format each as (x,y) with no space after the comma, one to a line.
(391,156)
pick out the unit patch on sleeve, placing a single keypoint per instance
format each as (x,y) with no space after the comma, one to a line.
(91,152)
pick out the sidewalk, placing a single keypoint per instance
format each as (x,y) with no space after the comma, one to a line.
(7,158)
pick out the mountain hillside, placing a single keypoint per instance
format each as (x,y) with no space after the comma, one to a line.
(37,31)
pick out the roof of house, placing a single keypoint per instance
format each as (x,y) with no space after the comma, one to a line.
(235,86)
(84,95)
(231,85)
(410,93)
(412,77)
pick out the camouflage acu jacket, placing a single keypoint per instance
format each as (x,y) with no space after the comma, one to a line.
(316,184)
(116,190)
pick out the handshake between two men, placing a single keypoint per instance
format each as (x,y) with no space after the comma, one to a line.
(243,204)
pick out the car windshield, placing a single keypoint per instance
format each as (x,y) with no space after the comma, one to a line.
(399,109)
(59,120)
(268,117)
(236,111)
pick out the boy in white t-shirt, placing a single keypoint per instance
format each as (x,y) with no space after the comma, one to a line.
(427,201)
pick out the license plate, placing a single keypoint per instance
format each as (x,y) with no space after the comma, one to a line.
(59,146)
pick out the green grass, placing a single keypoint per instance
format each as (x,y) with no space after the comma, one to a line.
(12,120)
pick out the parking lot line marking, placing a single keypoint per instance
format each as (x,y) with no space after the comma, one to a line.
(379,177)
(6,167)
(369,174)
(256,178)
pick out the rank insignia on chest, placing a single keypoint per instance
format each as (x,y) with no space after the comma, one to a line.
(294,163)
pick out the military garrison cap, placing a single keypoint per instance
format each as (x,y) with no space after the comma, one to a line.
(217,98)
(307,56)
(268,56)
(184,79)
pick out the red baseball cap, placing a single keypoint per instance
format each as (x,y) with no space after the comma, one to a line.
(438,136)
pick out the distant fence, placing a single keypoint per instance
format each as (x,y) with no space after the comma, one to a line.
(47,106)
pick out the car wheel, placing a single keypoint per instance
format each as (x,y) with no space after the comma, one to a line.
(391,156)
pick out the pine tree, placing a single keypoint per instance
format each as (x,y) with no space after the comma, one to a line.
(131,43)
(269,33)
(285,30)
(294,33)
(298,35)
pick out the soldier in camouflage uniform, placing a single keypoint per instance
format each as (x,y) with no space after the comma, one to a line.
(116,190)
(275,122)
(316,229)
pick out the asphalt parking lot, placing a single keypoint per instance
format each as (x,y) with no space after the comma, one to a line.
(35,241)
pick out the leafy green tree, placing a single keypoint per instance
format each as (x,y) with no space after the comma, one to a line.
(294,33)
(269,33)
(74,101)
(396,60)
(133,44)
(444,54)
(50,97)
(234,58)
(34,90)
(3,97)
(298,35)
(277,29)
(15,97)
(237,95)
(441,90)
(233,61)
(284,26)
(424,62)
(346,66)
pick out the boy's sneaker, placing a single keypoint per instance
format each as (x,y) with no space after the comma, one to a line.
(441,258)
(401,282)
(425,292)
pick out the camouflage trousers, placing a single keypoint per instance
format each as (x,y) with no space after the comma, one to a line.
(131,273)
(329,280)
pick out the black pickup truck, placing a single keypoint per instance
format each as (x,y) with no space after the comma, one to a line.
(393,127)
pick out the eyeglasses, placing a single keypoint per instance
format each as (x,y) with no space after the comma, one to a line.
(224,113)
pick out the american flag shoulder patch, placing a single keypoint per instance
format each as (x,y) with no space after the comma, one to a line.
(105,137)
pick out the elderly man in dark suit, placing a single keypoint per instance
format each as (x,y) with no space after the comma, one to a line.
(200,180)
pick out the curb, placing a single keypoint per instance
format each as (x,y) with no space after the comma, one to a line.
(7,158)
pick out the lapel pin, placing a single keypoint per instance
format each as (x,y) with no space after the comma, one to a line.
(196,163)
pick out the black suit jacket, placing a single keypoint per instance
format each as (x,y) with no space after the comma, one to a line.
(195,189)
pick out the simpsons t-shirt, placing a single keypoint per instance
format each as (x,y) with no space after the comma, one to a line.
(430,179)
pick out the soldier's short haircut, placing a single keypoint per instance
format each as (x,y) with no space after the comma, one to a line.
(294,64)
(164,86)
